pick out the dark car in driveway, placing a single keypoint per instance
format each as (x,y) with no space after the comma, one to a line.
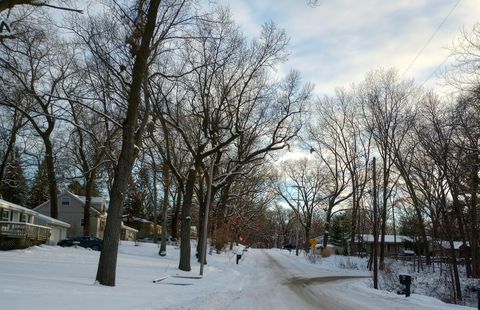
(289,247)
(90,242)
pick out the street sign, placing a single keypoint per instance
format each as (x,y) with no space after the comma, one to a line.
(313,242)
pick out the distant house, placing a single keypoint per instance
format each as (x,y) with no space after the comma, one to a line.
(17,228)
(128,233)
(443,248)
(144,227)
(70,210)
(394,244)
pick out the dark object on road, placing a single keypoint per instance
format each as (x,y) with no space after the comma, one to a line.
(239,256)
(289,247)
(90,242)
(407,281)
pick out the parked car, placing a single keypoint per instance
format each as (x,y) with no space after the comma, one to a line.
(93,243)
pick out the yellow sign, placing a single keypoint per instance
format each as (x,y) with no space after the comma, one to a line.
(313,242)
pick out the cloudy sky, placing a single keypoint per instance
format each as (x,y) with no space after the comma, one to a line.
(337,42)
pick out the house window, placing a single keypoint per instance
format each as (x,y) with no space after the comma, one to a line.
(5,215)
(82,222)
(23,218)
(65,201)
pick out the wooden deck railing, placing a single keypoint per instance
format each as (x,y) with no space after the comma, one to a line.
(24,230)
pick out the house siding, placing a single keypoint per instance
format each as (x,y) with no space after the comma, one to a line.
(73,214)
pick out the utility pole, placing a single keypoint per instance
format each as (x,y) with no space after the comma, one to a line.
(375,227)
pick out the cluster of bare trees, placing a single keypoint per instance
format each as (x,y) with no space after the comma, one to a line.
(164,88)
(427,172)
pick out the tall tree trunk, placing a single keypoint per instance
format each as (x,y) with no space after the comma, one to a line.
(326,233)
(353,226)
(52,180)
(166,190)
(185,248)
(375,228)
(306,244)
(457,283)
(473,215)
(201,216)
(107,264)
(201,230)
(176,214)
(384,212)
(90,180)
(154,202)
(12,140)
(461,226)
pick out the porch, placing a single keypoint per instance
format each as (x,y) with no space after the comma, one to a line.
(19,235)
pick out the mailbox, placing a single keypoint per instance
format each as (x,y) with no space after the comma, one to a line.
(405,279)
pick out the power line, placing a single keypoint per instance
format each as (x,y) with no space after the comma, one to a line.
(431,37)
(435,71)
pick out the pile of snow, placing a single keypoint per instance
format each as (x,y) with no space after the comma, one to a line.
(430,282)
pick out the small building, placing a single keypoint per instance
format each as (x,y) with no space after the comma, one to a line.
(145,228)
(17,228)
(394,244)
(128,233)
(443,248)
(58,229)
(70,210)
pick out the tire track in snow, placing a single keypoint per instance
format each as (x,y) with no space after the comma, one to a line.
(302,286)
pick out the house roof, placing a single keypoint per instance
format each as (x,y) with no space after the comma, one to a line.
(94,207)
(47,219)
(388,238)
(128,228)
(51,220)
(12,206)
(96,202)
(128,218)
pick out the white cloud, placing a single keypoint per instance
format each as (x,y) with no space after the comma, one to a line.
(336,43)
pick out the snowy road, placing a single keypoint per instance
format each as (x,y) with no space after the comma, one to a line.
(274,279)
(281,284)
(307,292)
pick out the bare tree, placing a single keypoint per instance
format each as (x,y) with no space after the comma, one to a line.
(37,71)
(389,110)
(131,136)
(304,179)
(12,122)
(463,73)
(436,138)
(220,107)
(9,4)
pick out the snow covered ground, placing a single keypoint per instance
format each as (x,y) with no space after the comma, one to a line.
(49,277)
